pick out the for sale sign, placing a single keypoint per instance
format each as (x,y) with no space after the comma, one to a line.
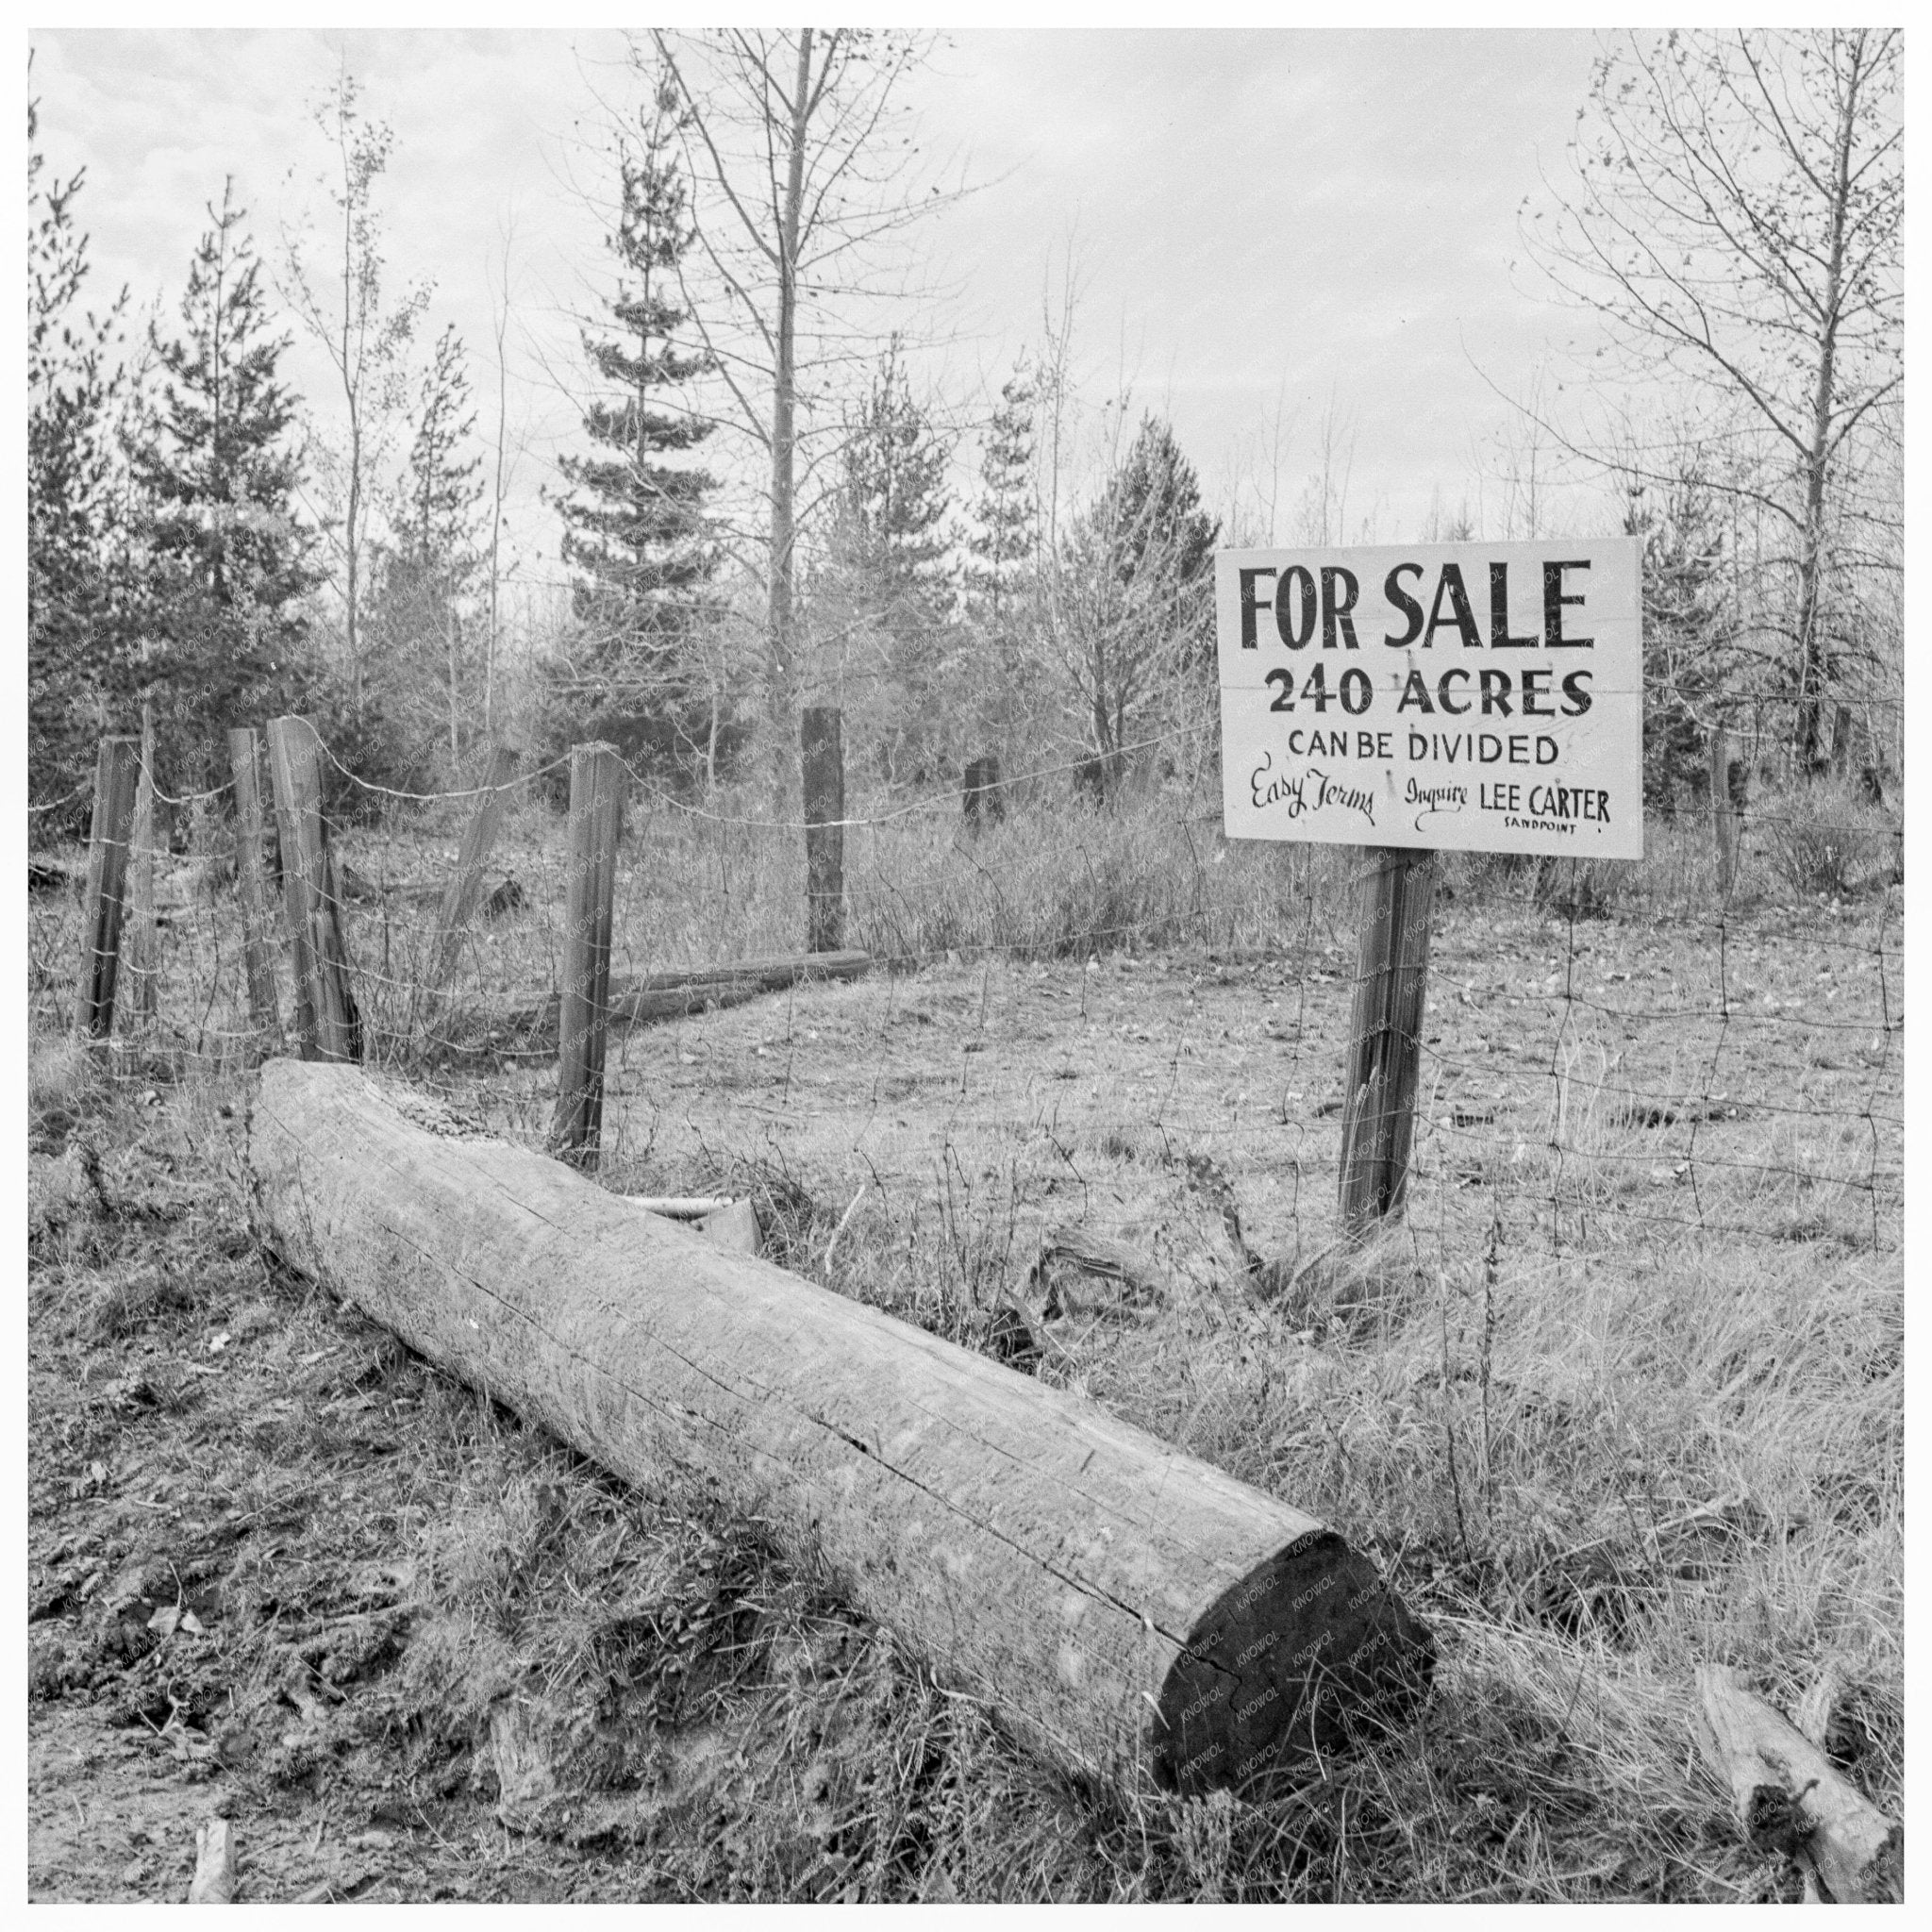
(1476,697)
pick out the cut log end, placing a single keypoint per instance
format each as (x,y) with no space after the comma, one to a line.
(1311,1652)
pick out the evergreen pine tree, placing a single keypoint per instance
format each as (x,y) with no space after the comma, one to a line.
(1132,608)
(424,631)
(635,529)
(1008,512)
(225,558)
(1688,631)
(885,592)
(893,503)
(1160,539)
(71,609)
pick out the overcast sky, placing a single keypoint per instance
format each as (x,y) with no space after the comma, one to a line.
(1308,221)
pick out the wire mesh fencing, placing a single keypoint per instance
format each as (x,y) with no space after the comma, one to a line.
(1614,1057)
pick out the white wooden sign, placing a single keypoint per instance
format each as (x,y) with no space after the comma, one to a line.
(1473,697)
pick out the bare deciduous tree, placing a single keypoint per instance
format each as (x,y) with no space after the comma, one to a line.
(1737,216)
(365,338)
(799,144)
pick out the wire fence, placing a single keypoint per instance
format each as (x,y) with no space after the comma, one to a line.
(1106,1011)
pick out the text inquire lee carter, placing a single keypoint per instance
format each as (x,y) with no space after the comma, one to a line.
(1475,697)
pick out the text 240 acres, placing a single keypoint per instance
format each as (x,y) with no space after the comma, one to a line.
(1302,600)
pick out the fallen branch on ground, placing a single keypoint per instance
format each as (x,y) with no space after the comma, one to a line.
(1789,1796)
(673,995)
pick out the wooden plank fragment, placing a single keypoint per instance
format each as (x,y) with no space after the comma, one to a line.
(214,1864)
(1121,1603)
(1791,1798)
(479,835)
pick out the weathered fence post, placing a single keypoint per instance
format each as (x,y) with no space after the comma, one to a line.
(141,943)
(984,801)
(1723,814)
(327,1025)
(106,883)
(479,835)
(1385,1035)
(825,829)
(596,818)
(264,1010)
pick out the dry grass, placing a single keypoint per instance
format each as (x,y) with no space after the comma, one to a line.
(1595,1435)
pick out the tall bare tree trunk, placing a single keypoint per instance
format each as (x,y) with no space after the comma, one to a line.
(449,631)
(1812,664)
(349,530)
(781,612)
(501,319)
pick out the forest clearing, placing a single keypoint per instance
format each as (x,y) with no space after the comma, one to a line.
(1620,1397)
(965,967)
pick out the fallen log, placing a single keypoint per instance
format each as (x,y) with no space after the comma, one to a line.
(673,994)
(1790,1798)
(1119,1602)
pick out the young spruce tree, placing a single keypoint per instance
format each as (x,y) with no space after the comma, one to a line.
(882,602)
(1007,512)
(423,626)
(72,388)
(634,531)
(227,562)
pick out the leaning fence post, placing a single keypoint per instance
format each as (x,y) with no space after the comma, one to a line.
(596,818)
(1385,1035)
(141,945)
(327,1025)
(479,835)
(265,1010)
(825,829)
(106,883)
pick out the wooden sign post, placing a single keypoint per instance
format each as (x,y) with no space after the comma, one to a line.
(1385,1035)
(1473,697)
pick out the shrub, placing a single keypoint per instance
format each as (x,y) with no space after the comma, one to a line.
(377,748)
(1826,838)
(663,730)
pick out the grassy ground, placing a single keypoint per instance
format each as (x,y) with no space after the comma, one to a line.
(1623,1395)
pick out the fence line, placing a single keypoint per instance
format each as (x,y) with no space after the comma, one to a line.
(1590,1110)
